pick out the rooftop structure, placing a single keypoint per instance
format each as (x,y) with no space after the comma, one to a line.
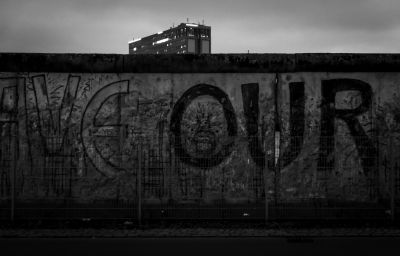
(187,38)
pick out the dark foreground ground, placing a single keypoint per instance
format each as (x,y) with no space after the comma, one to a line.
(292,233)
(201,246)
(89,237)
(87,228)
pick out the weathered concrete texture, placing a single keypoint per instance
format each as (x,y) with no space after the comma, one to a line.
(299,233)
(212,63)
(208,128)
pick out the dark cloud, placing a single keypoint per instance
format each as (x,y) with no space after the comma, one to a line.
(237,25)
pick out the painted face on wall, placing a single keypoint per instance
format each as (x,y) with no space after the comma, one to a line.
(203,126)
(203,122)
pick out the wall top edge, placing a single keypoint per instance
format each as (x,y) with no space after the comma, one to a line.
(207,63)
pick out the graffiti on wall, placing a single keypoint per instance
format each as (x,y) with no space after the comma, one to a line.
(189,139)
(212,144)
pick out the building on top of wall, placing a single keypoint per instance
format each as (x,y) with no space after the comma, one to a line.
(187,38)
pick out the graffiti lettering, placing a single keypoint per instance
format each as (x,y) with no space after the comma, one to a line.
(365,147)
(87,135)
(296,123)
(251,112)
(10,89)
(93,129)
(250,94)
(49,122)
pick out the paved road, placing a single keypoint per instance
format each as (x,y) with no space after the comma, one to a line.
(200,246)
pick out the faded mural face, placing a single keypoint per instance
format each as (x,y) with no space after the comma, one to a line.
(202,136)
(204,127)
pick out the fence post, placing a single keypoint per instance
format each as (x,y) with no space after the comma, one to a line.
(265,172)
(392,180)
(171,171)
(266,195)
(139,185)
(13,150)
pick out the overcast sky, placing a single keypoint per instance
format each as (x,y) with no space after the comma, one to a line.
(260,26)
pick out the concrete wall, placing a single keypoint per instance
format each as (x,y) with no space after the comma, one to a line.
(199,127)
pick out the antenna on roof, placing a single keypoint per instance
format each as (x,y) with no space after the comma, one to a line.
(187,20)
(203,21)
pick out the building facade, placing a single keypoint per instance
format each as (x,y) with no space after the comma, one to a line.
(187,38)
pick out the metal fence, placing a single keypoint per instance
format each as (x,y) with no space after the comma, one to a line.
(294,180)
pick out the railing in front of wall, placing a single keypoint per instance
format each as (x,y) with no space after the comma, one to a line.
(193,183)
